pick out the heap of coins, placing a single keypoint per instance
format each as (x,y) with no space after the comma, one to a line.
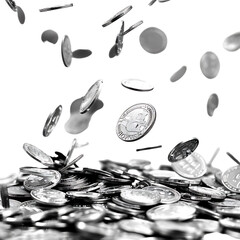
(121,200)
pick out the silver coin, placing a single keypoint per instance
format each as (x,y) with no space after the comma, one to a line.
(12,5)
(66,51)
(119,40)
(52,121)
(227,202)
(91,95)
(229,211)
(205,191)
(232,42)
(207,225)
(179,74)
(212,104)
(55,7)
(136,122)
(231,223)
(133,27)
(174,211)
(50,36)
(50,197)
(160,174)
(18,192)
(140,196)
(192,167)
(36,171)
(137,85)
(12,204)
(38,154)
(231,179)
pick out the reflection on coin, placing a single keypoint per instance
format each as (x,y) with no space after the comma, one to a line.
(136,122)
(231,179)
(91,95)
(212,104)
(38,154)
(133,27)
(232,42)
(153,40)
(207,225)
(179,74)
(50,197)
(52,121)
(66,51)
(117,16)
(193,166)
(18,192)
(227,202)
(205,191)
(137,84)
(49,36)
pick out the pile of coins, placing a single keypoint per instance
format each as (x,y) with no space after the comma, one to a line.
(121,200)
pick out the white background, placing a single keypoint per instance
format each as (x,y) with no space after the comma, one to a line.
(34,80)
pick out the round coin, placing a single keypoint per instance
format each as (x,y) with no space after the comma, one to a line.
(91,95)
(231,179)
(137,85)
(38,154)
(136,122)
(66,51)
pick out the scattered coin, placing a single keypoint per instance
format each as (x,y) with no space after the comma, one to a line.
(55,7)
(81,53)
(137,24)
(179,74)
(153,40)
(232,42)
(49,36)
(210,65)
(66,51)
(21,15)
(212,104)
(231,179)
(137,84)
(12,5)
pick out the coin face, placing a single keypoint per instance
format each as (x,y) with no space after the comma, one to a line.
(192,167)
(38,154)
(136,122)
(66,51)
(91,95)
(231,179)
(137,85)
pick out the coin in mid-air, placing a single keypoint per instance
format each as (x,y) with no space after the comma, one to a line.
(137,85)
(231,179)
(178,74)
(66,51)
(49,36)
(136,122)
(212,104)
(232,42)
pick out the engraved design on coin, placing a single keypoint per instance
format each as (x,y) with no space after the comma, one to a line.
(66,51)
(136,122)
(231,179)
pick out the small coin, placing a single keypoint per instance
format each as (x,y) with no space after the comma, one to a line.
(21,15)
(205,191)
(178,74)
(232,42)
(49,36)
(119,39)
(66,51)
(136,122)
(133,27)
(117,16)
(55,7)
(137,85)
(207,225)
(231,179)
(153,40)
(212,104)
(91,95)
(38,154)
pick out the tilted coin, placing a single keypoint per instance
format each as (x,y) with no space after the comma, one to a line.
(12,5)
(179,74)
(70,152)
(91,95)
(133,27)
(117,16)
(232,42)
(18,192)
(55,7)
(207,225)
(153,40)
(49,36)
(66,51)
(231,223)
(233,158)
(136,122)
(182,150)
(210,65)
(231,179)
(229,211)
(38,154)
(192,167)
(121,209)
(137,85)
(117,200)
(119,39)
(212,104)
(21,15)
(227,202)
(52,121)
(160,174)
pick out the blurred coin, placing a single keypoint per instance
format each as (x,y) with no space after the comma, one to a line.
(81,53)
(231,179)
(192,167)
(137,85)
(12,5)
(152,2)
(205,191)
(227,202)
(210,65)
(36,171)
(74,161)
(233,212)
(117,200)
(18,192)
(55,7)
(21,15)
(207,225)
(12,204)
(137,24)
(113,51)
(119,39)
(179,74)
(182,150)
(129,211)
(66,51)
(153,40)
(117,16)
(212,104)
(160,174)
(52,224)
(136,122)
(91,95)
(49,36)
(138,163)
(230,223)
(232,42)
(38,154)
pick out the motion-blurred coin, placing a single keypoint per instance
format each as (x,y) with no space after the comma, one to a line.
(117,16)
(231,179)
(153,40)
(38,154)
(36,171)
(160,174)
(210,65)
(207,225)
(18,192)
(212,104)
(49,36)
(227,202)
(119,39)
(55,7)
(233,158)
(231,223)
(91,95)
(137,85)
(192,167)
(66,51)
(232,42)
(179,74)
(136,122)
(135,25)
(182,150)
(50,197)
(21,15)
(12,5)
(52,121)
(81,53)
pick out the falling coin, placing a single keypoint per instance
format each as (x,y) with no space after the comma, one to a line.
(137,85)
(212,104)
(21,15)
(55,7)
(231,179)
(49,36)
(66,51)
(232,43)
(210,65)
(12,5)
(153,40)
(81,53)
(179,74)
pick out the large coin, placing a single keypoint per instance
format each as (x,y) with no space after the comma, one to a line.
(231,179)
(66,51)
(38,154)
(136,122)
(137,85)
(91,95)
